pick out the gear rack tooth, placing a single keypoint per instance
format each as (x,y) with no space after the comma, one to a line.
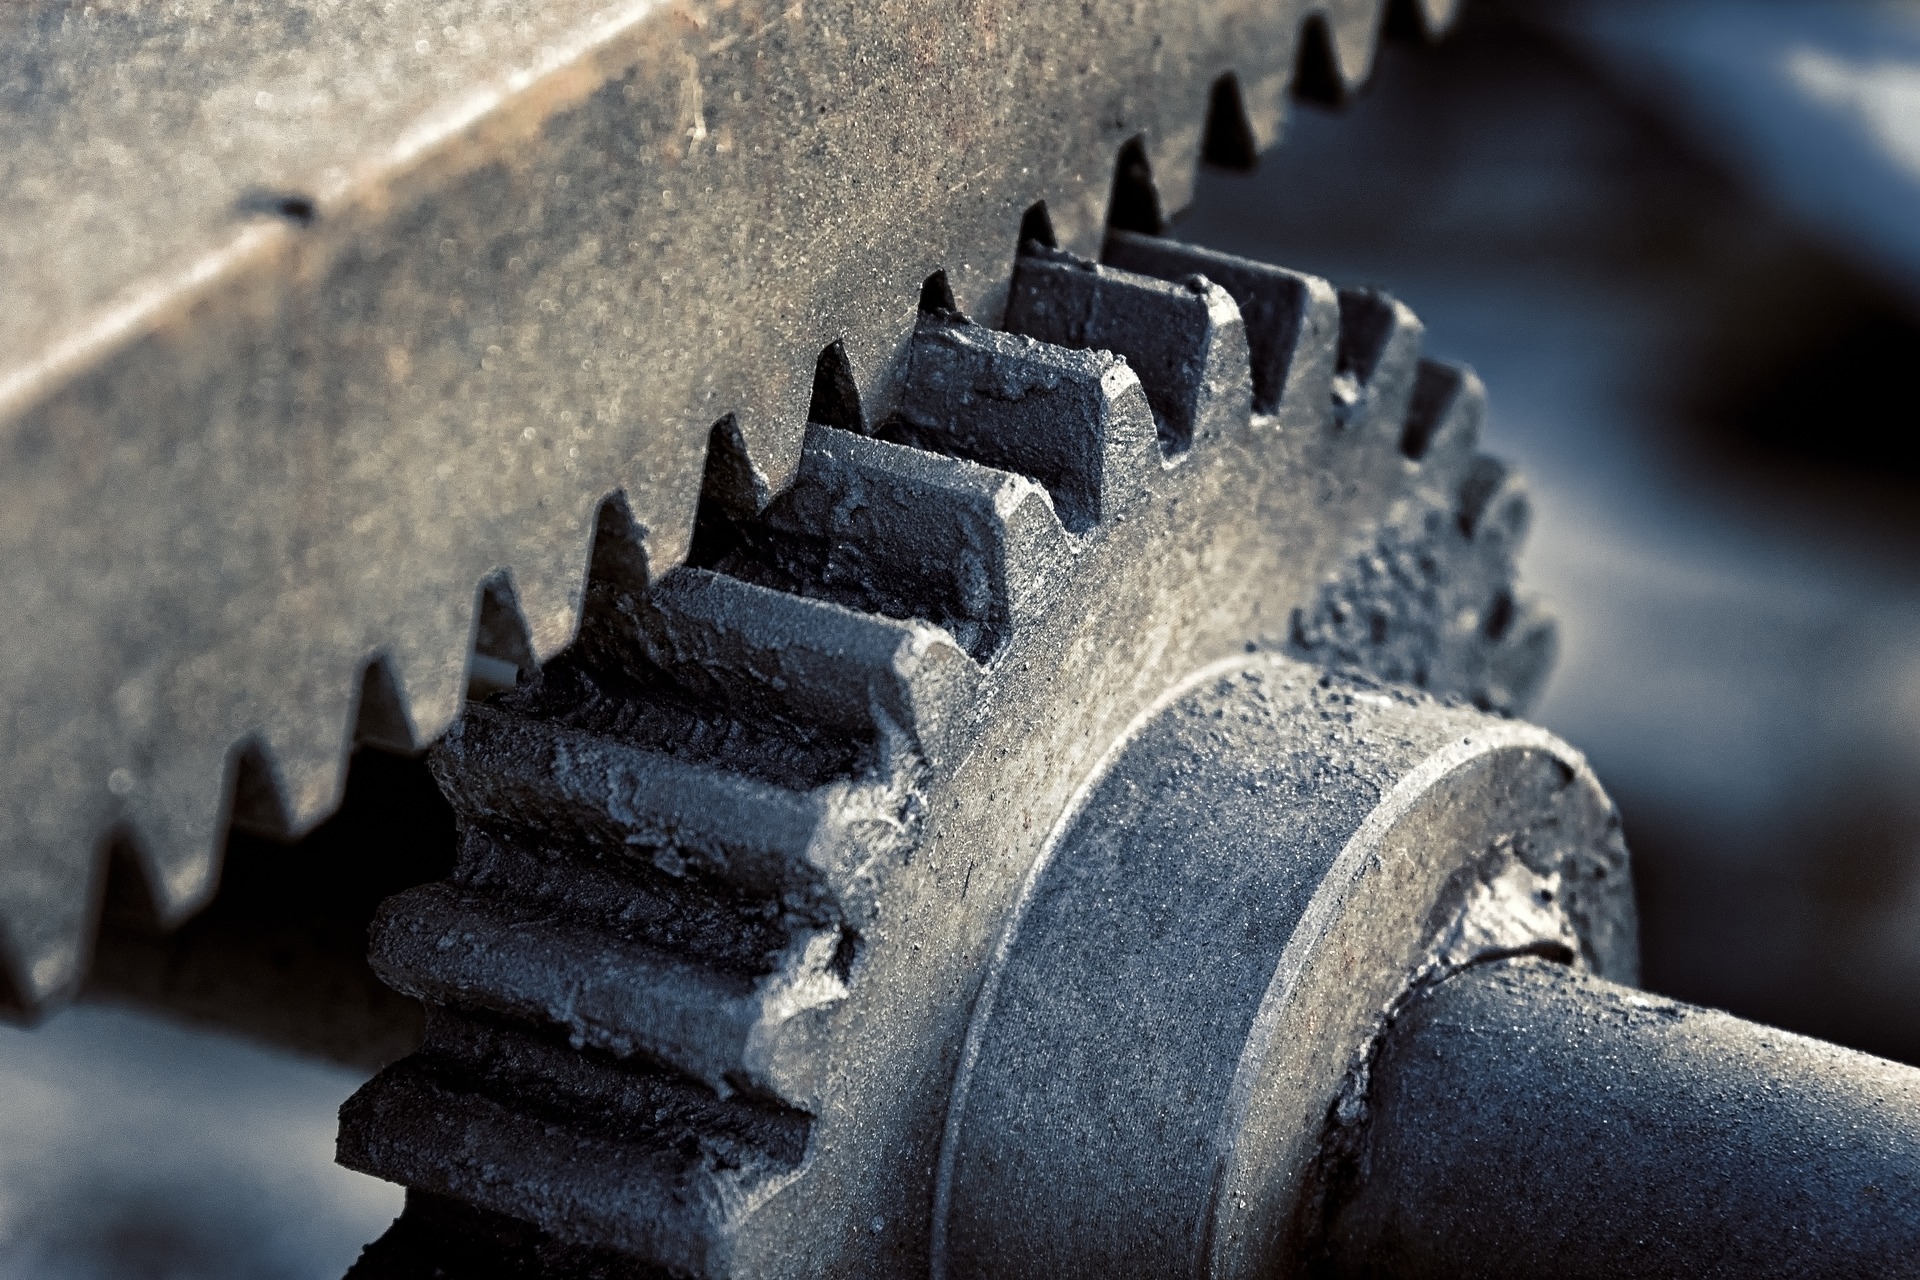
(1186,341)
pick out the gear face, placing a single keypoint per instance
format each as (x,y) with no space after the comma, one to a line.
(733,866)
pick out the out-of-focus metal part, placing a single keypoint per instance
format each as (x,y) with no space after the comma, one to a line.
(322,315)
(1261,871)
(1527,1120)
(731,868)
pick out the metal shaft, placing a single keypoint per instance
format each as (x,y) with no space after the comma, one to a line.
(1525,1120)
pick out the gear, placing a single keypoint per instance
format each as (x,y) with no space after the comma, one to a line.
(356,370)
(732,865)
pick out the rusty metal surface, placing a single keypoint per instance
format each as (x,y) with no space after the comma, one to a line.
(320,331)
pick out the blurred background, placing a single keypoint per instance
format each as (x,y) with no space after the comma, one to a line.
(1680,242)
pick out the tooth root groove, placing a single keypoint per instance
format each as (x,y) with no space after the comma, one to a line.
(1494,510)
(1076,421)
(1292,319)
(1186,341)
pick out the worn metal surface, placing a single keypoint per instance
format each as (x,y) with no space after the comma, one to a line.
(1266,864)
(732,867)
(1526,1120)
(322,313)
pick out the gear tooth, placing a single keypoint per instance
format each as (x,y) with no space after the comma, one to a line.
(603,1156)
(543,592)
(1379,360)
(1424,20)
(1518,668)
(904,533)
(295,772)
(1292,319)
(1076,421)
(500,949)
(1263,102)
(1493,509)
(1442,428)
(175,828)
(761,651)
(579,788)
(1186,341)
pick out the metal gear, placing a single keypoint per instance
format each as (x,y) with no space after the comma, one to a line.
(733,867)
(333,333)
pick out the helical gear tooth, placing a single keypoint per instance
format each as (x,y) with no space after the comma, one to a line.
(1378,363)
(1186,341)
(905,533)
(598,1155)
(1292,319)
(1076,421)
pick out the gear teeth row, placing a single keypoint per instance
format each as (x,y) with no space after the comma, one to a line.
(674,837)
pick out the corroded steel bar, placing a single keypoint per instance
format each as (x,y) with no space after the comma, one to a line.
(1524,1120)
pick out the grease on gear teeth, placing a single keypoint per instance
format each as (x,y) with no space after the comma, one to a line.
(692,846)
